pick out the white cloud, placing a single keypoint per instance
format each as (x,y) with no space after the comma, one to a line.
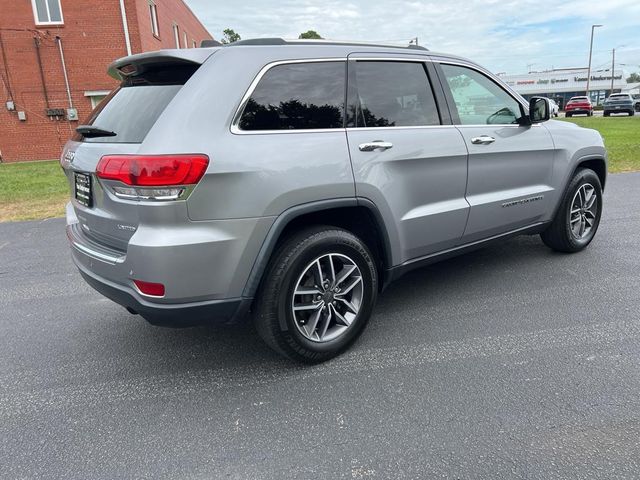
(505,35)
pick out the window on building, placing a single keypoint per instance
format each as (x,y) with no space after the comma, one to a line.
(176,35)
(186,40)
(479,100)
(153,14)
(47,12)
(96,96)
(297,96)
(393,94)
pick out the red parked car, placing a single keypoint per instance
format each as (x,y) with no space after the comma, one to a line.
(578,105)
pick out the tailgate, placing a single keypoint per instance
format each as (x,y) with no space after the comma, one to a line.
(119,125)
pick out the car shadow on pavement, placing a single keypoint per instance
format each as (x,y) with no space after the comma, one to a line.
(426,290)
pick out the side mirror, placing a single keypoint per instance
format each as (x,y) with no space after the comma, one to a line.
(539,109)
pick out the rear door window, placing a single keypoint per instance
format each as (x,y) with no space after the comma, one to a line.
(297,96)
(392,94)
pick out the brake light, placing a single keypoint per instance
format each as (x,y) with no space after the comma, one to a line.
(153,170)
(150,288)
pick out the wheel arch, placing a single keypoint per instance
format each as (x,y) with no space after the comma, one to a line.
(595,163)
(360,216)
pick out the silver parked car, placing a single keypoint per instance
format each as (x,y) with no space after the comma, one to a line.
(619,103)
(292,181)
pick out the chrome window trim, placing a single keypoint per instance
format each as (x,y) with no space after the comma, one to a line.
(501,125)
(410,58)
(236,130)
(408,127)
(235,123)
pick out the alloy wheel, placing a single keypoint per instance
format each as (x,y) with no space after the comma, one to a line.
(584,209)
(327,297)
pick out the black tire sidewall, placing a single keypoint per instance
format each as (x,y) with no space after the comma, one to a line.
(333,241)
(581,178)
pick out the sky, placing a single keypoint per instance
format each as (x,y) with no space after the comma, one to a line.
(511,36)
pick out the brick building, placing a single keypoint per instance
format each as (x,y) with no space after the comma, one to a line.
(53,60)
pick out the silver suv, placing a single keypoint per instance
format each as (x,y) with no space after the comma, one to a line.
(292,181)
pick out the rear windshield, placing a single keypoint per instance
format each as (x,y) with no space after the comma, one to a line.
(131,110)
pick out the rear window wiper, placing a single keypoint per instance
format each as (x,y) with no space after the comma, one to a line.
(90,131)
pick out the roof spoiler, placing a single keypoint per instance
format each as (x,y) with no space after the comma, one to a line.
(135,65)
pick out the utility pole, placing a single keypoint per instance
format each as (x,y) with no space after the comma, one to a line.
(613,68)
(613,65)
(593,27)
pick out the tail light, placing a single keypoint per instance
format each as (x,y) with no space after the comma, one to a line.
(152,177)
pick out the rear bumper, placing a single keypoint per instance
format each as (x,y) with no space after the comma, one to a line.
(620,109)
(578,111)
(171,315)
(204,267)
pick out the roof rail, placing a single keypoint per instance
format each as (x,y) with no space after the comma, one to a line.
(210,43)
(282,41)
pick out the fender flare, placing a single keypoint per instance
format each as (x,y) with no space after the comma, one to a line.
(286,217)
(577,165)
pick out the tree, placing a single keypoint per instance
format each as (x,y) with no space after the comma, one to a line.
(310,34)
(230,36)
(634,78)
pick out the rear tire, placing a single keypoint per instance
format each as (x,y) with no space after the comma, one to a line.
(606,114)
(631,113)
(568,115)
(331,312)
(577,219)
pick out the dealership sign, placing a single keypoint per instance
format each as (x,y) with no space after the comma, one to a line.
(553,81)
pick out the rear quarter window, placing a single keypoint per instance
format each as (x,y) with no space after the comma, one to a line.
(297,96)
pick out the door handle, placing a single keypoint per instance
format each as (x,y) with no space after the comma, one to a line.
(482,140)
(375,145)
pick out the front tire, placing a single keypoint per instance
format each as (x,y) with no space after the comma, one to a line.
(577,219)
(317,294)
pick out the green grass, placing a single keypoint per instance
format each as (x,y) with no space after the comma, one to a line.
(621,137)
(32,190)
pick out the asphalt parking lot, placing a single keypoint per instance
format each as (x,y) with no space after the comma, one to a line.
(509,362)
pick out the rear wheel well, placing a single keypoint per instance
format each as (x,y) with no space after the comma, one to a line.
(359,220)
(597,165)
